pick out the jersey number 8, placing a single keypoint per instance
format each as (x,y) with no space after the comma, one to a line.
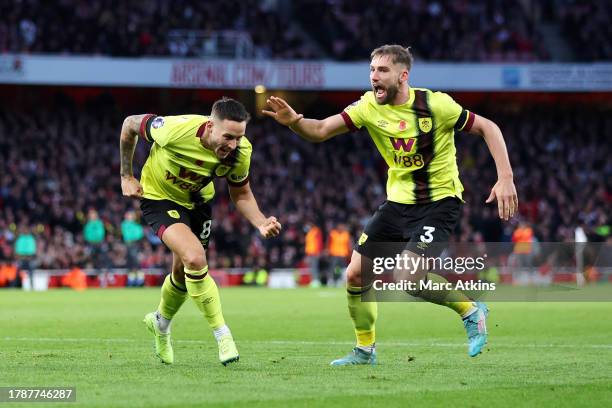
(205,230)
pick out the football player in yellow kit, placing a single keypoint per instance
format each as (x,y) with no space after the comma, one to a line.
(187,153)
(414,131)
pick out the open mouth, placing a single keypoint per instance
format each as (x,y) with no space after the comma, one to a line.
(379,91)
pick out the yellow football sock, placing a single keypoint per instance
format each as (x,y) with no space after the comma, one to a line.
(173,295)
(454,299)
(204,292)
(363,314)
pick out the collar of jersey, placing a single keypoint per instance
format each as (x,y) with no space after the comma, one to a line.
(408,102)
(201,129)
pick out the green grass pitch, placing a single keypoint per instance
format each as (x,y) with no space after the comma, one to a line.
(539,354)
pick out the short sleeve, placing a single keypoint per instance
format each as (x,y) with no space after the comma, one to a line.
(145,123)
(355,114)
(164,129)
(239,172)
(450,114)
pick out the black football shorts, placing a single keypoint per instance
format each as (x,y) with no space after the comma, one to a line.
(160,214)
(420,228)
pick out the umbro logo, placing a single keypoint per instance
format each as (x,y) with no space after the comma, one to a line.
(422,245)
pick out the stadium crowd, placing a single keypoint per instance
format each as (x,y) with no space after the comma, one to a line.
(135,28)
(59,172)
(484,30)
(437,30)
(481,30)
(587,25)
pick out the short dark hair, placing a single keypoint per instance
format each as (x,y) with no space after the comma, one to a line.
(230,109)
(400,54)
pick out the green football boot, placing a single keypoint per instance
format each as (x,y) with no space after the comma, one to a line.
(228,353)
(163,345)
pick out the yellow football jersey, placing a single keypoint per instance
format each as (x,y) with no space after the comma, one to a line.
(179,168)
(417,141)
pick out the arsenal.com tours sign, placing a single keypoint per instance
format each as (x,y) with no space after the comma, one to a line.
(287,75)
(294,74)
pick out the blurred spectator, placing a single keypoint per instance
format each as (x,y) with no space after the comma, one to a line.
(94,233)
(523,239)
(8,275)
(313,251)
(255,277)
(75,279)
(339,248)
(25,250)
(132,233)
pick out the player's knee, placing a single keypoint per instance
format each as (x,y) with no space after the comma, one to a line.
(194,259)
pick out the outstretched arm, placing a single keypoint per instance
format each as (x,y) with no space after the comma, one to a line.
(130,186)
(313,130)
(243,198)
(504,190)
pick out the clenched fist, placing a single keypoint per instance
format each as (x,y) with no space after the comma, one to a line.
(130,187)
(270,227)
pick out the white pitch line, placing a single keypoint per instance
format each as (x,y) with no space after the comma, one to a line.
(301,343)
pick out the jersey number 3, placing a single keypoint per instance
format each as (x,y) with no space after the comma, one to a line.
(427,237)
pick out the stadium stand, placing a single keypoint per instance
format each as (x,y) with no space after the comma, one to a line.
(305,29)
(156,28)
(439,30)
(587,27)
(65,162)
(51,176)
(442,30)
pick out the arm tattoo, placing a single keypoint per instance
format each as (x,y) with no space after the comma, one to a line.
(127,144)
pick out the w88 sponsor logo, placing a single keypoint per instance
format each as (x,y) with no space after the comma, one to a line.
(409,161)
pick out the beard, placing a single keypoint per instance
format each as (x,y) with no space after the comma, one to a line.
(222,152)
(390,94)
